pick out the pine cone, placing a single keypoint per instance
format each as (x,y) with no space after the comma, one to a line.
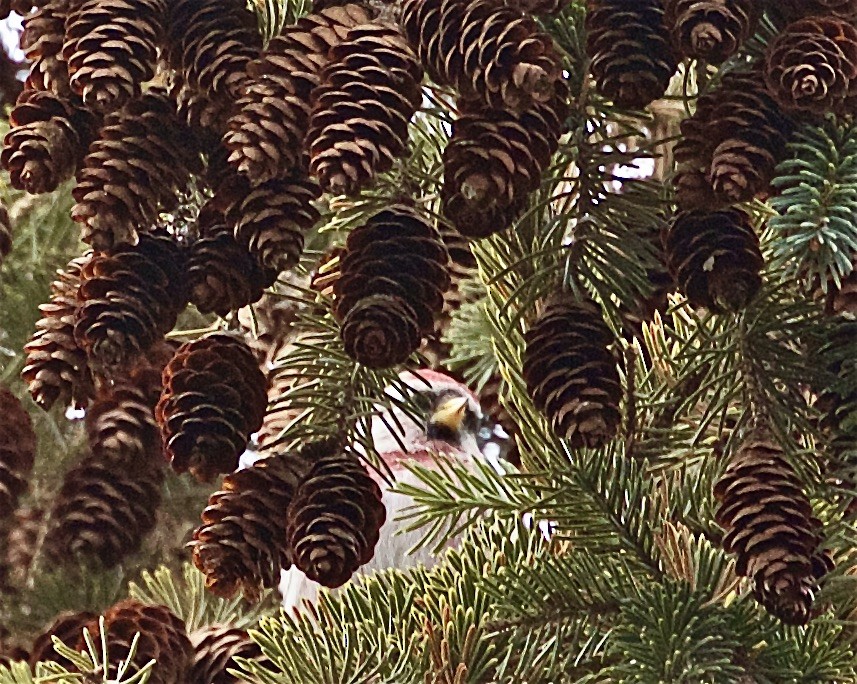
(812,64)
(714,258)
(486,51)
(843,299)
(242,542)
(494,160)
(47,142)
(111,49)
(17,450)
(735,138)
(632,59)
(215,650)
(42,42)
(271,219)
(570,373)
(222,274)
(210,44)
(771,529)
(712,30)
(134,170)
(5,232)
(359,121)
(214,398)
(129,299)
(266,135)
(56,368)
(796,9)
(103,512)
(67,627)
(163,638)
(335,519)
(539,7)
(392,278)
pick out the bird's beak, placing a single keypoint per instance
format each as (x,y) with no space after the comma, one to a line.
(450,414)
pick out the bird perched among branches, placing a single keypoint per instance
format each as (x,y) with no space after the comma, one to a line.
(450,426)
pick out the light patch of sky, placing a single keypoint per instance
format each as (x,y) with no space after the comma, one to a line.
(10,30)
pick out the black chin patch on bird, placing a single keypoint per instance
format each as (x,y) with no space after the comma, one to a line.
(443,432)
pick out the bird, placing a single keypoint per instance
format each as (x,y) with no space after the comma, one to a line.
(450,426)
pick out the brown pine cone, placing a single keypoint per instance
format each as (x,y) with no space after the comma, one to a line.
(632,58)
(714,258)
(796,9)
(222,274)
(494,160)
(214,398)
(771,529)
(103,512)
(111,49)
(539,7)
(42,41)
(571,374)
(266,134)
(359,121)
(486,51)
(335,519)
(271,218)
(56,368)
(163,638)
(67,627)
(812,64)
(215,650)
(241,545)
(393,275)
(5,232)
(47,142)
(133,171)
(712,30)
(210,44)
(17,450)
(843,299)
(129,299)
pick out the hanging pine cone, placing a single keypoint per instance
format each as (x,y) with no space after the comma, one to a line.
(334,521)
(17,450)
(222,274)
(771,529)
(494,159)
(486,51)
(359,122)
(812,64)
(714,258)
(632,59)
(241,545)
(712,30)
(210,44)
(47,142)
(215,650)
(266,135)
(733,141)
(111,49)
(103,512)
(214,398)
(271,219)
(392,278)
(133,171)
(570,373)
(67,627)
(129,299)
(56,368)
(163,638)
(42,41)
(5,232)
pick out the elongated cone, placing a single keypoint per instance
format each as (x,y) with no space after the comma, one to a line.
(214,398)
(770,527)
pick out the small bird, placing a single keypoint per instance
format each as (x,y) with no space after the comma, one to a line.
(451,426)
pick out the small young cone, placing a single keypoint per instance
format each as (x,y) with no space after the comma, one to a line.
(215,649)
(17,450)
(715,258)
(214,397)
(56,368)
(334,521)
(632,57)
(770,527)
(571,374)
(111,49)
(486,51)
